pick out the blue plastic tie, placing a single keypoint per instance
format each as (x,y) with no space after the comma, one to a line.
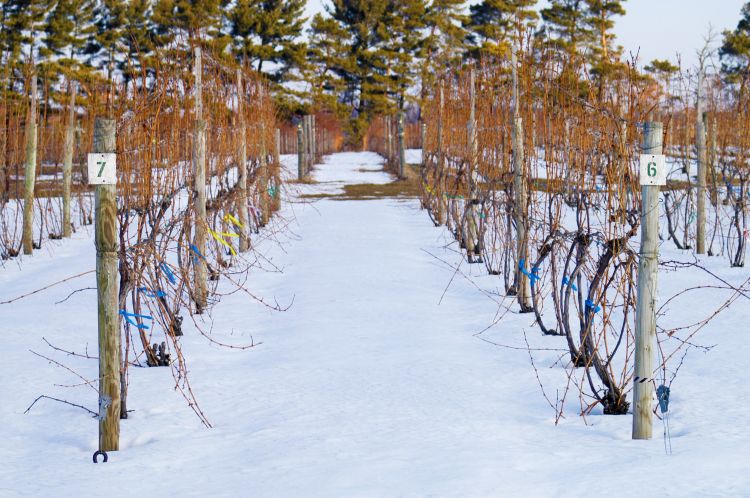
(152,294)
(197,252)
(533,276)
(135,315)
(170,275)
(590,305)
(662,394)
(566,281)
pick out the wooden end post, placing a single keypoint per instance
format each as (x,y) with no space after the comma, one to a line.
(107,289)
(645,327)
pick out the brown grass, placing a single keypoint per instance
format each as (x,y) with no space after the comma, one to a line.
(407,188)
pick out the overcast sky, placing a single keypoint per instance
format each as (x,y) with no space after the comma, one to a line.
(660,29)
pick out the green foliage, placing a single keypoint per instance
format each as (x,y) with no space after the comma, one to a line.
(444,45)
(496,23)
(194,19)
(735,49)
(266,33)
(374,63)
(68,31)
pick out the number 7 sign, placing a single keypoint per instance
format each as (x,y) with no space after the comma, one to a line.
(653,169)
(102,169)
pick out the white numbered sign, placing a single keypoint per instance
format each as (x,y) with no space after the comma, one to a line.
(103,169)
(653,169)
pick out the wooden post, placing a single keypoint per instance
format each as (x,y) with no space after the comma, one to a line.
(470,228)
(401,146)
(441,201)
(700,146)
(314,139)
(306,142)
(276,198)
(200,274)
(423,139)
(519,189)
(265,178)
(388,146)
(277,147)
(242,209)
(645,321)
(105,237)
(30,169)
(300,153)
(68,161)
(712,162)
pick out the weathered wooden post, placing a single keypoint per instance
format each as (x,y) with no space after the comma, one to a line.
(470,231)
(265,179)
(388,141)
(519,190)
(423,139)
(105,238)
(30,168)
(712,162)
(68,161)
(653,174)
(241,206)
(200,272)
(306,130)
(314,139)
(401,146)
(700,146)
(276,197)
(441,200)
(300,153)
(277,147)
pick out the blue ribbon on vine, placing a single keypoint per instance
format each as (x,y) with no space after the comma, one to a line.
(152,294)
(168,272)
(197,252)
(593,307)
(662,394)
(533,275)
(567,281)
(135,315)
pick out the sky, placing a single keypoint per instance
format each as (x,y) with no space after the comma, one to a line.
(660,29)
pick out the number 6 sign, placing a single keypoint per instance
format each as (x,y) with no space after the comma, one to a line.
(653,169)
(102,169)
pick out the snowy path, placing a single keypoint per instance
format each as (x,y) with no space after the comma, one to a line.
(366,386)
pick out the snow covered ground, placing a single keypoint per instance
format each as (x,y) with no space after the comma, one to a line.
(371,384)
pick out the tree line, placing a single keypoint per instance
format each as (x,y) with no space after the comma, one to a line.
(359,59)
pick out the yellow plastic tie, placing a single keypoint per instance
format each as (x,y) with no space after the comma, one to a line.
(231,219)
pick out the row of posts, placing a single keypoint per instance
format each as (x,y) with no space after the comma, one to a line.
(645,335)
(106,241)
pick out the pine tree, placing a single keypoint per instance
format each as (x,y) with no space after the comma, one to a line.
(184,21)
(603,56)
(400,42)
(735,49)
(107,46)
(376,64)
(566,26)
(268,31)
(496,23)
(68,30)
(138,39)
(362,21)
(445,41)
(328,51)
